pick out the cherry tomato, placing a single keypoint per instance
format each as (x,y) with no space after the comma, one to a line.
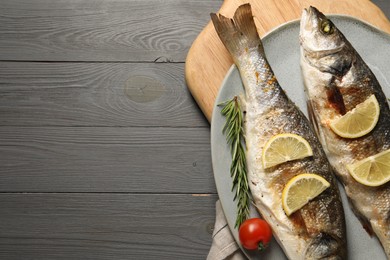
(255,233)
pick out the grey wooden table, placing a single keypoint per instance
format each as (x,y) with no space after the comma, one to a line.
(103,152)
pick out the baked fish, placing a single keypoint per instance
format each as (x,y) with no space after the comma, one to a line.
(317,230)
(336,81)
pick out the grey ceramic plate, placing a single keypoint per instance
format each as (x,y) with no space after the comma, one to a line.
(282,50)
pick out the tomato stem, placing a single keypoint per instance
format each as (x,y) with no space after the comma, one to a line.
(261,247)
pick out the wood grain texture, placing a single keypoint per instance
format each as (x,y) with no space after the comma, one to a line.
(208,60)
(105,226)
(96,94)
(94,30)
(105,159)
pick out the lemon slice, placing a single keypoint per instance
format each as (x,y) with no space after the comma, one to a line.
(300,190)
(372,171)
(285,147)
(359,121)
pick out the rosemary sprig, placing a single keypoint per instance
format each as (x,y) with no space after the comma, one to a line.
(235,138)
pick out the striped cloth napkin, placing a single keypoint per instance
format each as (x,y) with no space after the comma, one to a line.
(224,246)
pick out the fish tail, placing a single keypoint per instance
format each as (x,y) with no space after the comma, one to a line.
(238,34)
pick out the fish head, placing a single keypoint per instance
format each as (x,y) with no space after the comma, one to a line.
(318,33)
(322,44)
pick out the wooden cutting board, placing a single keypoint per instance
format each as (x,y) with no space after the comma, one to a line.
(208,61)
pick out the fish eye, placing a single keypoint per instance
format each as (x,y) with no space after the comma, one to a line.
(327,27)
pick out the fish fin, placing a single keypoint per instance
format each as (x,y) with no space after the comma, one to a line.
(335,98)
(238,34)
(312,117)
(362,219)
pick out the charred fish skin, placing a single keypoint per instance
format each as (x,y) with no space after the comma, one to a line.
(317,230)
(336,80)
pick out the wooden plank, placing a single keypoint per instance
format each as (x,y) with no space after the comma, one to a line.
(96,94)
(95,30)
(105,226)
(105,159)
